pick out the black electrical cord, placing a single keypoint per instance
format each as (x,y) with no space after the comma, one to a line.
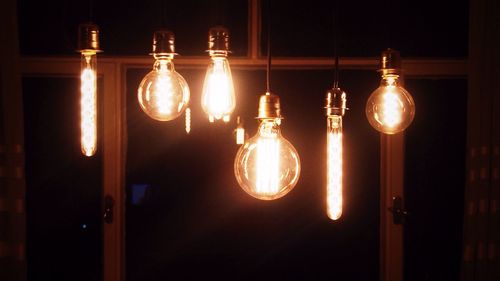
(268,75)
(217,12)
(164,14)
(335,44)
(91,9)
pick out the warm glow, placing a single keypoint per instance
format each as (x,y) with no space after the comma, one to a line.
(240,135)
(392,108)
(88,105)
(268,166)
(163,93)
(334,168)
(188,120)
(218,100)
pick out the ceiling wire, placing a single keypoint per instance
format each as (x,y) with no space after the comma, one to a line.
(163,13)
(335,43)
(268,74)
(91,10)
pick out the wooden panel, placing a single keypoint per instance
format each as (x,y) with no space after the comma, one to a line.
(436,68)
(481,219)
(114,138)
(12,183)
(391,185)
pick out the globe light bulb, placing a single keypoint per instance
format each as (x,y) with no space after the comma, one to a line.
(335,109)
(267,166)
(218,98)
(163,94)
(390,109)
(88,43)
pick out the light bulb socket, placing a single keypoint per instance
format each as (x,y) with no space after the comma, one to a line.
(88,37)
(269,107)
(335,102)
(390,62)
(163,42)
(218,40)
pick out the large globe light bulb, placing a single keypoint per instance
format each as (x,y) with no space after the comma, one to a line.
(390,109)
(163,94)
(267,166)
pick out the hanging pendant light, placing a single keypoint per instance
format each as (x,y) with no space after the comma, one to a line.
(335,105)
(88,46)
(218,98)
(390,109)
(163,93)
(335,110)
(267,166)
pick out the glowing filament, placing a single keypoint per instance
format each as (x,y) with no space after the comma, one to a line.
(268,166)
(88,106)
(218,99)
(334,167)
(218,93)
(391,108)
(188,120)
(240,135)
(164,92)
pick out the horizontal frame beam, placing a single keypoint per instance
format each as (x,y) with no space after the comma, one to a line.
(442,68)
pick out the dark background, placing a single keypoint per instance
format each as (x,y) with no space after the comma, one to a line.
(423,28)
(194,221)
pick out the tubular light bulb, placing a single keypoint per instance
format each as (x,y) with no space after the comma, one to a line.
(390,109)
(240,131)
(335,109)
(334,167)
(218,98)
(163,93)
(88,104)
(88,45)
(188,120)
(267,166)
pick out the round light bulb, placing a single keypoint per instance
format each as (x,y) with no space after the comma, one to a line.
(163,93)
(390,109)
(267,166)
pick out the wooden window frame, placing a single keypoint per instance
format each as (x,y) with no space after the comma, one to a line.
(113,69)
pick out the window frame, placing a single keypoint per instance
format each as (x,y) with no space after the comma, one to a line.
(113,69)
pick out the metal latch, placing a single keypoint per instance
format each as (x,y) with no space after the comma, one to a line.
(109,204)
(398,212)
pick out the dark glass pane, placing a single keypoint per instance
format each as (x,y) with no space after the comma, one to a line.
(187,218)
(126,27)
(2,120)
(416,28)
(63,187)
(435,179)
